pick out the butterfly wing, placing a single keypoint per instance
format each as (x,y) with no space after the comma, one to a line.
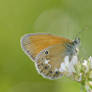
(48,62)
(32,44)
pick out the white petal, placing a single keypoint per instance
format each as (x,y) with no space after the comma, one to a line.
(80,78)
(62,67)
(71,68)
(66,60)
(74,60)
(90,82)
(85,63)
(90,59)
(46,61)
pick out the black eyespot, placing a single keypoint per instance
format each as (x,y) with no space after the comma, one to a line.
(28,51)
(50,71)
(57,72)
(42,58)
(40,64)
(46,67)
(46,52)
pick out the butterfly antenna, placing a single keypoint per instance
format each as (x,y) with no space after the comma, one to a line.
(80,32)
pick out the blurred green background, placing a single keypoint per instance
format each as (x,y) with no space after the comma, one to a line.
(18,17)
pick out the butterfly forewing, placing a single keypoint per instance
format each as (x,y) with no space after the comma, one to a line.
(33,44)
(49,60)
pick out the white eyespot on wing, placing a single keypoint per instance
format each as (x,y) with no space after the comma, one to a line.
(56,69)
(46,61)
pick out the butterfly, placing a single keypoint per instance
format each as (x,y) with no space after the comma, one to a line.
(48,52)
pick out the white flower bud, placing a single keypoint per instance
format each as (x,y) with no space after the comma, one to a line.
(90,60)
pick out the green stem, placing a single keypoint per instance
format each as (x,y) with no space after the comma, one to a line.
(83,88)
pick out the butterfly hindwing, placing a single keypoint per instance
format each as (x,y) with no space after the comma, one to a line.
(49,60)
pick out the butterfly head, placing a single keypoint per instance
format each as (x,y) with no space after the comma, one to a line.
(72,48)
(76,42)
(75,45)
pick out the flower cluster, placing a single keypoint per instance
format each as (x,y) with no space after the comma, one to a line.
(87,74)
(80,71)
(67,67)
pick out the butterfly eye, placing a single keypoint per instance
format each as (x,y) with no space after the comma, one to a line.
(46,52)
(75,42)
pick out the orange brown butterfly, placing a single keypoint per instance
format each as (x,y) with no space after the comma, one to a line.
(48,52)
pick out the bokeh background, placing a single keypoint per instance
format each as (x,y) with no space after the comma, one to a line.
(18,17)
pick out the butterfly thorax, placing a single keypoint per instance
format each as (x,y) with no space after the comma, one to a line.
(72,47)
